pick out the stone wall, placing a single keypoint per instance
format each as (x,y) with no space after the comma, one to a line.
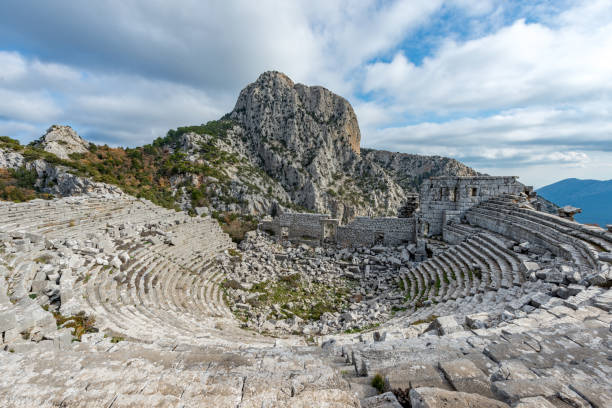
(296,226)
(445,198)
(366,231)
(363,231)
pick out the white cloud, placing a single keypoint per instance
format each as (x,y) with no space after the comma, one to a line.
(518,65)
(538,95)
(116,108)
(145,66)
(496,88)
(28,106)
(13,66)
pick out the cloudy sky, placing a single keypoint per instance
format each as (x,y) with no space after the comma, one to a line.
(509,87)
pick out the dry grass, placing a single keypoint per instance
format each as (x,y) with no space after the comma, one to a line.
(80,323)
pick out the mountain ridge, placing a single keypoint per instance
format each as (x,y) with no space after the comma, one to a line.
(594,197)
(284,147)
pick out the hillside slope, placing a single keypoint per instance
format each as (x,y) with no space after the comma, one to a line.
(593,196)
(284,147)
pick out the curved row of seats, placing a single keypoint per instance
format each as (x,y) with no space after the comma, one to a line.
(481,262)
(156,296)
(168,289)
(573,241)
(70,217)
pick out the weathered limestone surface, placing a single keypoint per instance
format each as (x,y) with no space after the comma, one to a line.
(490,321)
(513,309)
(308,139)
(426,397)
(62,141)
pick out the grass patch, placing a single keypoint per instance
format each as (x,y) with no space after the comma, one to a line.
(400,284)
(43,259)
(378,382)
(80,323)
(426,320)
(396,309)
(296,297)
(234,253)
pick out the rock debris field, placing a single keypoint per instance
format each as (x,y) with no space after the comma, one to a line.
(112,301)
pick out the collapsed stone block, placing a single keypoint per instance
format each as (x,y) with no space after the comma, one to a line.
(446,325)
(568,212)
(466,377)
(7,319)
(414,376)
(478,320)
(428,397)
(527,267)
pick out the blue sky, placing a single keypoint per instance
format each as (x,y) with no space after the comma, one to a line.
(508,87)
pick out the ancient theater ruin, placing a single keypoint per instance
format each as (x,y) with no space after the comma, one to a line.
(265,259)
(472,295)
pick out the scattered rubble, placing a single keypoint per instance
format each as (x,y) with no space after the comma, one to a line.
(122,296)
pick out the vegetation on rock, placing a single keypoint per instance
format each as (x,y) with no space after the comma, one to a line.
(17,185)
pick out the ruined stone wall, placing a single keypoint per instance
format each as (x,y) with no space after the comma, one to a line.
(366,231)
(297,225)
(305,225)
(363,231)
(455,195)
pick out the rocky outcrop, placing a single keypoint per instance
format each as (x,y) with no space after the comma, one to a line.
(409,170)
(62,141)
(307,139)
(55,179)
(246,190)
(303,117)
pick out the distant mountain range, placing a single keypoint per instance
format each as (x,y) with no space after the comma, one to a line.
(593,196)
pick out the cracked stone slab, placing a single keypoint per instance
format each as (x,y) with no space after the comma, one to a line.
(414,376)
(598,396)
(534,402)
(427,397)
(464,376)
(385,400)
(512,391)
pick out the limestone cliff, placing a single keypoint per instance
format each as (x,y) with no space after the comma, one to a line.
(307,138)
(61,141)
(409,170)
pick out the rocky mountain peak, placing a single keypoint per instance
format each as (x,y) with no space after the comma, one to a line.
(274,77)
(299,116)
(62,141)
